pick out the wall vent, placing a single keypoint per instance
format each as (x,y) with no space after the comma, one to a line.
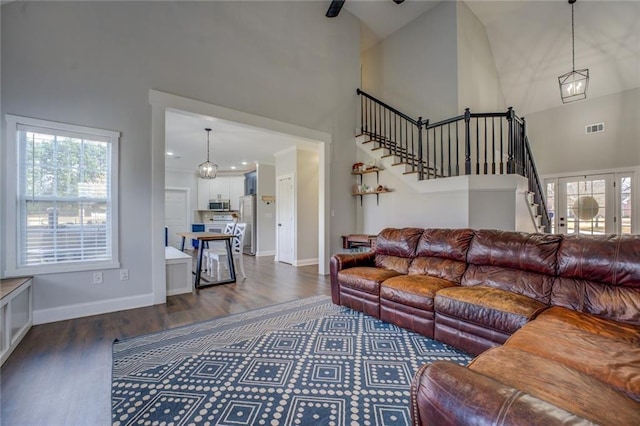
(594,128)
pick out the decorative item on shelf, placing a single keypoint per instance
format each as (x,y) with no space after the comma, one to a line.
(573,85)
(208,170)
(357,167)
(268,199)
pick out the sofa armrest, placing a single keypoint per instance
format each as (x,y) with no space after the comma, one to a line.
(445,393)
(342,261)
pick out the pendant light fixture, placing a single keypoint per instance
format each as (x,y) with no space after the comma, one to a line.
(208,170)
(573,85)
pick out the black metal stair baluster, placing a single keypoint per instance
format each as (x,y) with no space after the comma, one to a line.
(501,147)
(477,146)
(442,150)
(449,149)
(493,145)
(486,165)
(467,141)
(457,151)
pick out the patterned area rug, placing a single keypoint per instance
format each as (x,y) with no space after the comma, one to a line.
(298,363)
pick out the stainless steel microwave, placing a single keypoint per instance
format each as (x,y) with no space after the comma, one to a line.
(220,205)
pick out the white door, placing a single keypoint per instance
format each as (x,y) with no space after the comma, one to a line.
(285,220)
(176,214)
(586,205)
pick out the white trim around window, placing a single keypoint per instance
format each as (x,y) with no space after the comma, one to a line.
(61,207)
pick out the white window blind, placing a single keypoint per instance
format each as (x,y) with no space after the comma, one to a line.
(66,196)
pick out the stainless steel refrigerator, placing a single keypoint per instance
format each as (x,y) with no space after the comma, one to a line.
(248,215)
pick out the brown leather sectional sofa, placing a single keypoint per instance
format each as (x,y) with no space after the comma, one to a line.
(554,320)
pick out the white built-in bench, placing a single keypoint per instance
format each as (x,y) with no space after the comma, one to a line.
(178,266)
(16,313)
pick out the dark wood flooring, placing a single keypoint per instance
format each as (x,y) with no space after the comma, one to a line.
(60,374)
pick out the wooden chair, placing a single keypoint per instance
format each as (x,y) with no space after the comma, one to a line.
(219,255)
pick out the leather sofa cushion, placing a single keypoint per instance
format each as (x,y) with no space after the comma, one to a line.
(448,269)
(395,248)
(400,242)
(559,385)
(445,243)
(610,259)
(599,275)
(490,307)
(365,278)
(515,250)
(417,291)
(445,393)
(530,284)
(601,348)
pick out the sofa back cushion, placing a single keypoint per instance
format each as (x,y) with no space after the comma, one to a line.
(442,253)
(514,261)
(600,275)
(396,248)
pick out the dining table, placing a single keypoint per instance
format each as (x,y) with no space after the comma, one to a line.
(203,238)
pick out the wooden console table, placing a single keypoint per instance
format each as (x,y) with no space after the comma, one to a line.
(353,241)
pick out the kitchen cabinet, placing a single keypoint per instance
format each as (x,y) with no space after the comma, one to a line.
(224,187)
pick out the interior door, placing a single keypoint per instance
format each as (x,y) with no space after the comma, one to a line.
(176,214)
(285,220)
(586,205)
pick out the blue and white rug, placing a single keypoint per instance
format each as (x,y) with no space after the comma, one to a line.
(306,362)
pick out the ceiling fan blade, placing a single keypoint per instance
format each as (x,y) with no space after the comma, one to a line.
(334,8)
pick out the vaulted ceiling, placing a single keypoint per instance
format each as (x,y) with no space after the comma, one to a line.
(531,42)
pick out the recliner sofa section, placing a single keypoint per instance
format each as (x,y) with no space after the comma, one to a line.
(554,320)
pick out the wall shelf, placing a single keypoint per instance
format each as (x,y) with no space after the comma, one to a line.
(360,173)
(377,194)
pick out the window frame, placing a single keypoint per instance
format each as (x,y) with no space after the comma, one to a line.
(13,163)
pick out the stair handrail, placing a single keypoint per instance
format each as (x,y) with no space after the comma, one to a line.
(536,187)
(382,126)
(384,105)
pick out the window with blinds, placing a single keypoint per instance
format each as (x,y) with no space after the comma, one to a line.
(65,196)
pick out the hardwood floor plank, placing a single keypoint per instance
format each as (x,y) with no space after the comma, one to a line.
(60,374)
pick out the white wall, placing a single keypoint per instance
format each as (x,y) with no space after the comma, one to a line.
(415,68)
(478,82)
(560,145)
(266,238)
(93,63)
(307,199)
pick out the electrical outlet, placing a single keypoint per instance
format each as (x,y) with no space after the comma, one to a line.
(97,277)
(124,274)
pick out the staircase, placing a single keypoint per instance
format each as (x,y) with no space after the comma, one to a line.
(493,143)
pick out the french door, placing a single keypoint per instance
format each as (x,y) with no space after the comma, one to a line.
(586,205)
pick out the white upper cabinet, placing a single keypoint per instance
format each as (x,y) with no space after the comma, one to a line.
(225,188)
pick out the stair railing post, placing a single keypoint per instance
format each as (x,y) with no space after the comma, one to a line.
(467,141)
(510,142)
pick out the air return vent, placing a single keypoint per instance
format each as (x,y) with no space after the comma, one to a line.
(594,128)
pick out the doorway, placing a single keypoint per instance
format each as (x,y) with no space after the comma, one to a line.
(285,232)
(161,102)
(176,214)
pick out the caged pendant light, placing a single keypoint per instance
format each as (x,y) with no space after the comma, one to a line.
(208,170)
(573,85)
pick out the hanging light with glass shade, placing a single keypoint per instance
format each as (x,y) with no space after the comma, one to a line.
(573,85)
(208,170)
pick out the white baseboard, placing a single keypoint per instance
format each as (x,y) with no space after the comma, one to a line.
(44,316)
(175,291)
(305,262)
(266,253)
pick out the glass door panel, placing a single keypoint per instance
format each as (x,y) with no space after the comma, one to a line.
(586,205)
